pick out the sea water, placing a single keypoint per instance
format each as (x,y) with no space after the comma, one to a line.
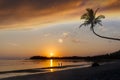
(10,65)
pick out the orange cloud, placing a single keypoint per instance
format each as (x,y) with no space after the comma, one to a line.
(31,13)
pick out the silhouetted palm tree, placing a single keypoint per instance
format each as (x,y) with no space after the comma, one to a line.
(92,20)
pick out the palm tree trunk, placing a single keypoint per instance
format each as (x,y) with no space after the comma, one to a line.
(92,28)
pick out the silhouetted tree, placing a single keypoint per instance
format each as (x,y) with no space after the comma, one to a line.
(92,20)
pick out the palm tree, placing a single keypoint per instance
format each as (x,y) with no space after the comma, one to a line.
(92,20)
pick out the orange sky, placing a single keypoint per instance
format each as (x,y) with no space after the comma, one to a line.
(37,27)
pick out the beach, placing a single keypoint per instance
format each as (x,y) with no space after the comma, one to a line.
(108,71)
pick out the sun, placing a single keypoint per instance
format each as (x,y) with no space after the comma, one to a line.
(51,54)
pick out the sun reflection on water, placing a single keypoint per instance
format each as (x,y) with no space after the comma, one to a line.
(51,65)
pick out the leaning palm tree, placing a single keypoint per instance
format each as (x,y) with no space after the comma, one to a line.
(92,20)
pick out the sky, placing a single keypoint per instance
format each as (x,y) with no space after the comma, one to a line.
(41,27)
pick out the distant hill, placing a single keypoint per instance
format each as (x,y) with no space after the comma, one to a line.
(43,57)
(38,57)
(114,55)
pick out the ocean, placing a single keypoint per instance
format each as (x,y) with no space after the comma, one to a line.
(12,65)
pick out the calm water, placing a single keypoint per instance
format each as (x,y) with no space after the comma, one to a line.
(9,65)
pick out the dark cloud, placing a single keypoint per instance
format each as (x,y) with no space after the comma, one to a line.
(113,5)
(20,11)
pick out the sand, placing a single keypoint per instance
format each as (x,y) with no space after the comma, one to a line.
(109,71)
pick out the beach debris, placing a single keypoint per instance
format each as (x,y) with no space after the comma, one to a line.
(95,64)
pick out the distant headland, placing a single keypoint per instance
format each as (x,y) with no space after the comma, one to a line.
(114,55)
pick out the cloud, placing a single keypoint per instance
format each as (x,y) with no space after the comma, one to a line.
(32,13)
(76,40)
(60,40)
(13,44)
(65,35)
(21,13)
(111,4)
(47,34)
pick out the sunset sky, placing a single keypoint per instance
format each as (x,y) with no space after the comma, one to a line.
(42,27)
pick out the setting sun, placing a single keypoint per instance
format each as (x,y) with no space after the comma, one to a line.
(51,54)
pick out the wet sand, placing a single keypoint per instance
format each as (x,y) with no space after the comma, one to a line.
(45,69)
(109,71)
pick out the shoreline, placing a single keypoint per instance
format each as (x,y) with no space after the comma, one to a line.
(24,72)
(108,71)
(33,70)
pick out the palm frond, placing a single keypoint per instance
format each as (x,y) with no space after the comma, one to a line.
(97,20)
(100,23)
(84,24)
(100,17)
(84,16)
(96,11)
